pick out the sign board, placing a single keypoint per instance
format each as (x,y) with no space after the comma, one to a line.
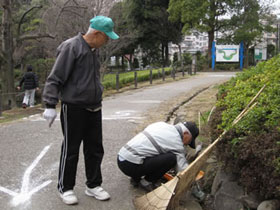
(260,54)
(113,61)
(227,53)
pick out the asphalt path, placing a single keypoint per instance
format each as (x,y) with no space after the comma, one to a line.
(30,151)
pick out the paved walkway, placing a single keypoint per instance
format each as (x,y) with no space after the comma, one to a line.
(29,151)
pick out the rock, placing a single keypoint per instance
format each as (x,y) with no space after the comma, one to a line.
(251,200)
(188,202)
(269,205)
(227,197)
(220,178)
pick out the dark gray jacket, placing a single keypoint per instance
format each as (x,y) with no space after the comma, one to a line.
(75,76)
(29,80)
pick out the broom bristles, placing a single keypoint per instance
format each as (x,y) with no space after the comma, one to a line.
(158,198)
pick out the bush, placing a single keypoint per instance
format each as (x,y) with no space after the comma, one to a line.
(252,147)
(128,77)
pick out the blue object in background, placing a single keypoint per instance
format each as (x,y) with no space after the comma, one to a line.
(213,52)
(241,55)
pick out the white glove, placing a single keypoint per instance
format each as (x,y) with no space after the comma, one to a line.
(198,148)
(50,115)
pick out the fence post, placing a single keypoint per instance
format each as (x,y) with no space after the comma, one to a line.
(183,71)
(173,73)
(0,104)
(163,74)
(151,76)
(135,79)
(117,81)
(193,63)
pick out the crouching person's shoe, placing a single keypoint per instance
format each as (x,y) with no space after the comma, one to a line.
(146,185)
(134,183)
(98,192)
(69,197)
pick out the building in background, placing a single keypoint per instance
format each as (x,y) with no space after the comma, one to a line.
(192,43)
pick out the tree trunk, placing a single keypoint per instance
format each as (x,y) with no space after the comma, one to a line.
(246,56)
(7,67)
(180,53)
(210,40)
(166,54)
(162,54)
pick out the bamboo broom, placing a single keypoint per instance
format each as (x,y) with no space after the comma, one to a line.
(167,196)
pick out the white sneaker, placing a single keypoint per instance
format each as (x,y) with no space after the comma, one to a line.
(98,192)
(69,197)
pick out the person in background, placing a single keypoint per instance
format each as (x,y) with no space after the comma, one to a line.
(30,85)
(156,150)
(75,80)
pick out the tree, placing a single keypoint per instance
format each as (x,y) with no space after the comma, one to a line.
(11,39)
(202,15)
(248,22)
(150,19)
(127,43)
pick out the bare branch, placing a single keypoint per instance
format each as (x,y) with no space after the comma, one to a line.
(23,16)
(64,9)
(35,36)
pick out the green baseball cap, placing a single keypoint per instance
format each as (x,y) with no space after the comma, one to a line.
(104,24)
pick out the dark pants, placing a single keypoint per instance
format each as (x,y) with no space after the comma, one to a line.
(79,125)
(153,168)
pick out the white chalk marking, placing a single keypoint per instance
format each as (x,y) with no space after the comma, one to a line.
(10,192)
(26,177)
(25,194)
(122,115)
(145,102)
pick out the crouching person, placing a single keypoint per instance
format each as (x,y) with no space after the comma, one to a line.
(154,151)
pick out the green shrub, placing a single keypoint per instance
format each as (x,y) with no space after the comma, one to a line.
(126,78)
(252,149)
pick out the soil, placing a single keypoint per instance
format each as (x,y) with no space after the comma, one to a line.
(19,113)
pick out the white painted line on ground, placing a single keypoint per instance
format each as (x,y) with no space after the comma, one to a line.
(122,118)
(25,194)
(38,117)
(122,115)
(26,176)
(10,192)
(145,102)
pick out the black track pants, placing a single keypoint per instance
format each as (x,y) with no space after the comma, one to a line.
(153,168)
(79,125)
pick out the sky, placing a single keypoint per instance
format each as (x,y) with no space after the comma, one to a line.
(276,5)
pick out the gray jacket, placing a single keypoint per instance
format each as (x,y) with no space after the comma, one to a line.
(166,137)
(75,76)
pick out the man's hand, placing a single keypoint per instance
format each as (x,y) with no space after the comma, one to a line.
(192,155)
(50,115)
(198,148)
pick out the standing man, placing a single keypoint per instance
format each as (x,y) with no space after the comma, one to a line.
(154,151)
(30,85)
(75,80)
